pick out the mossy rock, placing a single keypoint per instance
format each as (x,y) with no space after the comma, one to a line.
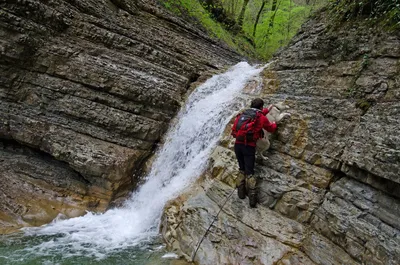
(364,105)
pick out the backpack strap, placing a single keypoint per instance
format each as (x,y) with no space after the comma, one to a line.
(234,126)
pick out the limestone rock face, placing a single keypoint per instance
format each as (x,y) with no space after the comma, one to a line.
(87,88)
(329,192)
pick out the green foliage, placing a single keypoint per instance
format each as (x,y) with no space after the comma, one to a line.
(269,37)
(386,12)
(192,9)
(276,28)
(288,18)
(287,21)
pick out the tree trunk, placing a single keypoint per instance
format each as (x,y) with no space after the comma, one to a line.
(232,7)
(274,4)
(289,23)
(274,8)
(241,15)
(258,17)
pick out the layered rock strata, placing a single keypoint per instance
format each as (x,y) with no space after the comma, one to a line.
(329,191)
(87,89)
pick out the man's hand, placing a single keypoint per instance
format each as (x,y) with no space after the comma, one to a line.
(270,107)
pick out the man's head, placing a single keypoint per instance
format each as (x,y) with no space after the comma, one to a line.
(257,103)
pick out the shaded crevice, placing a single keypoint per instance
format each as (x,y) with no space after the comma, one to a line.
(336,176)
(364,212)
(387,186)
(136,178)
(191,84)
(13,147)
(193,77)
(121,4)
(211,66)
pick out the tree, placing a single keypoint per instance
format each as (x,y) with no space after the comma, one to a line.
(258,17)
(289,23)
(231,6)
(242,11)
(218,13)
(274,9)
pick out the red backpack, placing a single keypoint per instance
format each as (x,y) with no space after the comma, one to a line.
(243,128)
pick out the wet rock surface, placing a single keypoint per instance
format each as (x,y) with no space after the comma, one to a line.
(87,90)
(329,191)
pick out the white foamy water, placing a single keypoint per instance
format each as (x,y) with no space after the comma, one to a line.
(178,163)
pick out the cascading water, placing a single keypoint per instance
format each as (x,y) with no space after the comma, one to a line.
(181,160)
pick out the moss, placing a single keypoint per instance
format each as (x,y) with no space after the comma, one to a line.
(350,92)
(364,105)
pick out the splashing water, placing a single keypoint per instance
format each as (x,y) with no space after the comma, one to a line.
(181,160)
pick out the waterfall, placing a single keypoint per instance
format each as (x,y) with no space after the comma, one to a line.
(182,158)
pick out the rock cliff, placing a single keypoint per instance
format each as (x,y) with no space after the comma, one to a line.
(329,192)
(87,89)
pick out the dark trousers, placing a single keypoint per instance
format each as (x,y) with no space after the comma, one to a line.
(246,156)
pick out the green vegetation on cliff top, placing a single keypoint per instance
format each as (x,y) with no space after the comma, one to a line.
(257,28)
(278,21)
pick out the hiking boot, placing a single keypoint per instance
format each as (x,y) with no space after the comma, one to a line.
(252,190)
(241,185)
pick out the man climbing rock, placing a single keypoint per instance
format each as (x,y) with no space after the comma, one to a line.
(247,129)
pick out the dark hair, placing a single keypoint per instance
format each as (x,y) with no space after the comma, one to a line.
(257,103)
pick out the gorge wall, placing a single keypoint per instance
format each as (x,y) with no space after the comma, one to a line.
(329,192)
(87,89)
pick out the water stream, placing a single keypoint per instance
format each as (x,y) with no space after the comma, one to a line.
(129,234)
